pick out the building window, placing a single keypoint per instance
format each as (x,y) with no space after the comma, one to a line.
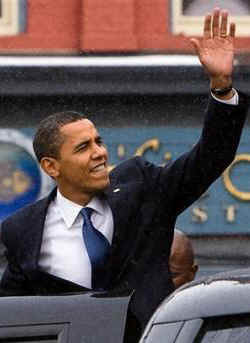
(187,15)
(12,17)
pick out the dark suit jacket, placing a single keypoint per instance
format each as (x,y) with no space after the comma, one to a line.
(145,200)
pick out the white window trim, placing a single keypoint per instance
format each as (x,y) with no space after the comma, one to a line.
(11,22)
(193,25)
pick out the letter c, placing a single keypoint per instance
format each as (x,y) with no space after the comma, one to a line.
(245,196)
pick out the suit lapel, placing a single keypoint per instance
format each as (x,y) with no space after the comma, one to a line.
(115,196)
(124,209)
(30,245)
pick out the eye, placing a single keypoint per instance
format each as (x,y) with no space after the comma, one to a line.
(81,147)
(99,141)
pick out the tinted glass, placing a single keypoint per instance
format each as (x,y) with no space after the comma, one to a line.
(230,329)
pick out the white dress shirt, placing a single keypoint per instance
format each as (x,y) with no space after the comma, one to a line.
(63,252)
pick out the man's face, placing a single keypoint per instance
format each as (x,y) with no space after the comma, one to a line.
(82,163)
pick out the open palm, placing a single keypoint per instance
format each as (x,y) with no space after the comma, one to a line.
(216,49)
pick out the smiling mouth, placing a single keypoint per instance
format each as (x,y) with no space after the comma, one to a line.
(99,168)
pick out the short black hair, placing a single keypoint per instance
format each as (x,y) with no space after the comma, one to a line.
(48,138)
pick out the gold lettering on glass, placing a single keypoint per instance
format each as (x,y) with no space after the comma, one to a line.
(199,214)
(152,144)
(121,150)
(230,212)
(226,177)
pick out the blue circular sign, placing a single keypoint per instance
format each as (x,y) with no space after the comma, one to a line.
(21,179)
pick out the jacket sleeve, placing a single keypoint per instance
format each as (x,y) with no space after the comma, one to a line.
(184,180)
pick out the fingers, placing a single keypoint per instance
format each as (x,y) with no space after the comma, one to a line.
(207,26)
(232,30)
(216,22)
(223,27)
(216,25)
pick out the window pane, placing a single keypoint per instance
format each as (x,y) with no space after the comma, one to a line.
(230,329)
(199,7)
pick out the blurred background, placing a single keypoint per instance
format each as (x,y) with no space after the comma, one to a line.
(129,66)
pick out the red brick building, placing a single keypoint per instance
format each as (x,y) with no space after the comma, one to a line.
(110,26)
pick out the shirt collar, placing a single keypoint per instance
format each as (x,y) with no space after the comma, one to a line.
(69,210)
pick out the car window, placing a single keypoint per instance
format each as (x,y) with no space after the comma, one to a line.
(158,333)
(230,329)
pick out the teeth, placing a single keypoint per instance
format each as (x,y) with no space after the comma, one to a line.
(99,168)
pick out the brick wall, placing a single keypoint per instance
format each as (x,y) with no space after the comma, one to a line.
(110,26)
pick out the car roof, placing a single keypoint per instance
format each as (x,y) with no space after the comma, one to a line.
(221,294)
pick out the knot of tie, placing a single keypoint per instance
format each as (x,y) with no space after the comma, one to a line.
(86,212)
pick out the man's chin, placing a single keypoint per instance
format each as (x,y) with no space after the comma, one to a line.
(102,186)
(107,184)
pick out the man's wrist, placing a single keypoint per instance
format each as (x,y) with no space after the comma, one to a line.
(225,93)
(221,82)
(232,100)
(221,87)
(222,91)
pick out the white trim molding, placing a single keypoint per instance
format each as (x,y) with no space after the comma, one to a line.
(13,17)
(107,61)
(193,24)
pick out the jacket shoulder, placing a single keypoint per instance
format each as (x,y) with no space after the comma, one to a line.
(135,166)
(23,212)
(13,226)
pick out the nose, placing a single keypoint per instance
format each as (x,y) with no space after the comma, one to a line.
(99,151)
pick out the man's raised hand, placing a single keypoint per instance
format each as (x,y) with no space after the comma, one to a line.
(216,48)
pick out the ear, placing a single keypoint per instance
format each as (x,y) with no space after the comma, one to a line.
(51,166)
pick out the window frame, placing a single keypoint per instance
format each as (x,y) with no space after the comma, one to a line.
(192,25)
(13,19)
